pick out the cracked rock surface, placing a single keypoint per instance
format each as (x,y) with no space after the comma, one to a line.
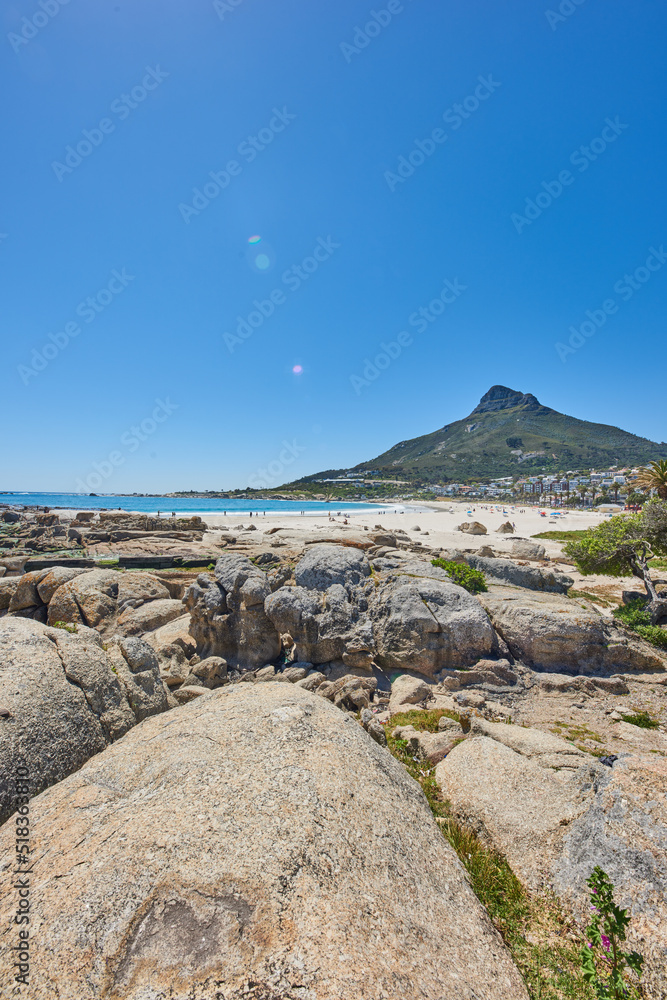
(64,702)
(313,869)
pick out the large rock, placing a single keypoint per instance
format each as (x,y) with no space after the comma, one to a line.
(325,626)
(504,571)
(64,701)
(494,676)
(149,616)
(89,599)
(55,578)
(174,647)
(324,565)
(7,587)
(472,528)
(554,824)
(536,802)
(523,549)
(426,625)
(547,632)
(136,666)
(313,869)
(407,691)
(432,747)
(136,589)
(228,617)
(406,564)
(544,748)
(175,633)
(26,598)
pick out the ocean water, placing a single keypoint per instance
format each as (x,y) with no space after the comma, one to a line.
(186,505)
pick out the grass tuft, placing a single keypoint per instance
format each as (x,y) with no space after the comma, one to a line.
(73,629)
(560,536)
(641,719)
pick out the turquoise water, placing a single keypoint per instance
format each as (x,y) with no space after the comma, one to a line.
(186,505)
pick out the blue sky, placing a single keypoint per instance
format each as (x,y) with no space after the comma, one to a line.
(204,360)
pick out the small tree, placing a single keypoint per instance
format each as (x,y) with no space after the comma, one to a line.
(623,546)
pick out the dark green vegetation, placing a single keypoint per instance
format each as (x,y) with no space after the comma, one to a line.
(536,931)
(470,579)
(486,444)
(636,616)
(641,719)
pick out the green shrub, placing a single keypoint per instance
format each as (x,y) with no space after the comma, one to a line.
(636,616)
(603,961)
(470,579)
(641,719)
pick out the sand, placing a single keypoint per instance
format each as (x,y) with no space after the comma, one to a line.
(437,524)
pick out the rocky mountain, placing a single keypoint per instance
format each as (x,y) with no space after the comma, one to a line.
(512,433)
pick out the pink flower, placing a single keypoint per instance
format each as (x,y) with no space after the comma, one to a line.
(606,943)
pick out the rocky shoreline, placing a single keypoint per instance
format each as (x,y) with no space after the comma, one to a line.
(254,702)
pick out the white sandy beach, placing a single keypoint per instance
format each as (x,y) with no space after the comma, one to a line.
(439,520)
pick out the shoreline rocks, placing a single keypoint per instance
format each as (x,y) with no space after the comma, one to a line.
(66,700)
(246,867)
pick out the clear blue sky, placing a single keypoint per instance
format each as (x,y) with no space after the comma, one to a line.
(332,112)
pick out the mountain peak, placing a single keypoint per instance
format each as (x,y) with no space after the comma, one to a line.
(500,397)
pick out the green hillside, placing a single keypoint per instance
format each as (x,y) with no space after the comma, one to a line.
(511,433)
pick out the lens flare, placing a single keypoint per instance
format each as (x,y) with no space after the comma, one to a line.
(259,254)
(297,369)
